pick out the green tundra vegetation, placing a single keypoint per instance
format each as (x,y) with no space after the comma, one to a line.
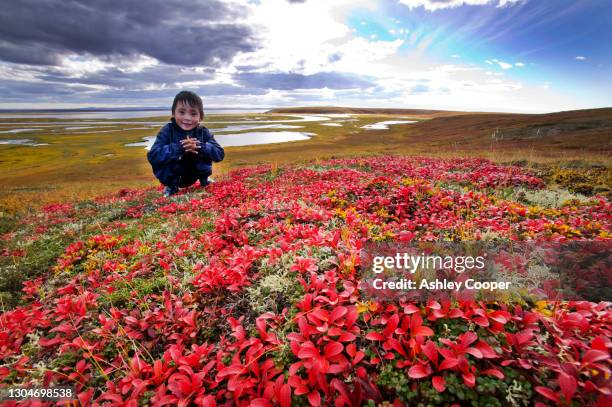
(84,159)
(251,282)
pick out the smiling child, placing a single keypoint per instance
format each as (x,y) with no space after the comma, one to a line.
(184,150)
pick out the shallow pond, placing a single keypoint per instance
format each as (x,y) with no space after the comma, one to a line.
(385,125)
(296,118)
(241,127)
(23,142)
(16,130)
(242,139)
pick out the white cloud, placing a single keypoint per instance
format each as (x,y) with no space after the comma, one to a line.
(294,46)
(138,65)
(580,58)
(363,57)
(76,66)
(289,40)
(502,64)
(402,72)
(20,73)
(433,5)
(464,87)
(504,3)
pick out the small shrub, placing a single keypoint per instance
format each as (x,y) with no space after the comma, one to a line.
(126,291)
(587,181)
(547,198)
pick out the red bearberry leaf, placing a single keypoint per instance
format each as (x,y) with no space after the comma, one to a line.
(419,371)
(375,336)
(548,393)
(568,385)
(314,398)
(439,383)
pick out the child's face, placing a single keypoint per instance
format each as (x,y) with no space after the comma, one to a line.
(187,117)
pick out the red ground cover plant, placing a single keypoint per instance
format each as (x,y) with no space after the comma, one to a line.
(246,293)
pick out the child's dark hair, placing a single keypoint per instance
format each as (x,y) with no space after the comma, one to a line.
(189,98)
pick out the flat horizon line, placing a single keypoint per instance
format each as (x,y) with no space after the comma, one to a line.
(162,109)
(118,109)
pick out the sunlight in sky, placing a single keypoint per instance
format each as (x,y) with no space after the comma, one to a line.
(479,55)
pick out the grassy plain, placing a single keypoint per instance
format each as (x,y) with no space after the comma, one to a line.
(80,162)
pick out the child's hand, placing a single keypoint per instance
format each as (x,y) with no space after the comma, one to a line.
(191,145)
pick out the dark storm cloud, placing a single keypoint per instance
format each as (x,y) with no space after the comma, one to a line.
(289,81)
(27,91)
(202,90)
(161,81)
(176,32)
(228,90)
(16,91)
(35,34)
(115,77)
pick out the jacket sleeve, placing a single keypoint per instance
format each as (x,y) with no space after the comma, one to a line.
(210,149)
(163,150)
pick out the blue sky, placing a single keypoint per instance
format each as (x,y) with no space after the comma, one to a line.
(544,37)
(477,55)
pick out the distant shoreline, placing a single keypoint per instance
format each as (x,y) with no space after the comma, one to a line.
(356,110)
(115,109)
(291,110)
(419,112)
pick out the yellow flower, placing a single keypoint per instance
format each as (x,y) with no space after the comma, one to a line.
(366,306)
(542,308)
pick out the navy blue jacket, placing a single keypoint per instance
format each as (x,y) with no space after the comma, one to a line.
(171,165)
